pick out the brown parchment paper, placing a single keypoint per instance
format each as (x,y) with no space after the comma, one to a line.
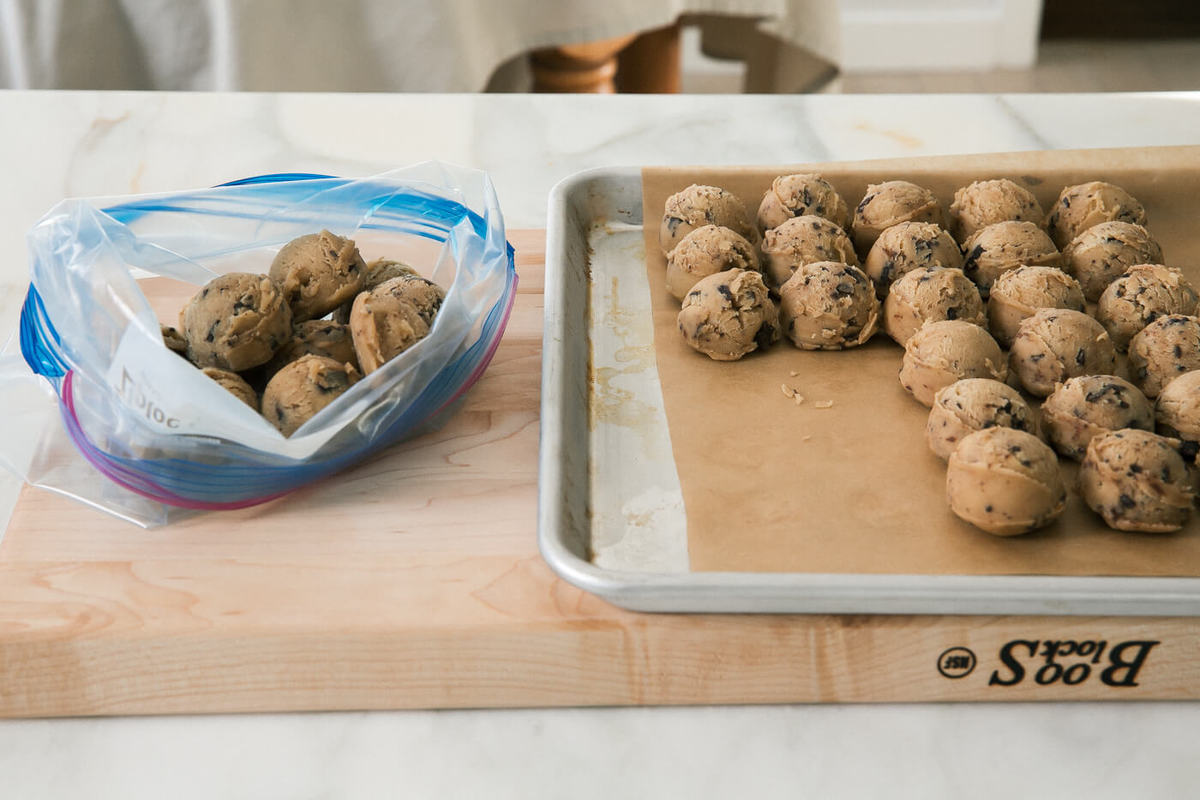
(770,486)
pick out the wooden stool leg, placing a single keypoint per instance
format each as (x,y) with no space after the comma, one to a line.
(588,67)
(650,64)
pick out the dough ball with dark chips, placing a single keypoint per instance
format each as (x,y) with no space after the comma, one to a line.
(318,272)
(727,315)
(1137,481)
(930,294)
(302,388)
(1085,407)
(1085,205)
(828,306)
(907,246)
(697,206)
(803,240)
(1143,294)
(801,195)
(237,321)
(984,203)
(1056,344)
(890,203)
(975,404)
(1163,350)
(707,251)
(1005,482)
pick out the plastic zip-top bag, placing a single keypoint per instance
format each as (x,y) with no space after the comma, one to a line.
(97,392)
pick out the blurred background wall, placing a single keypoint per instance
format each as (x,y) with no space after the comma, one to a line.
(585,45)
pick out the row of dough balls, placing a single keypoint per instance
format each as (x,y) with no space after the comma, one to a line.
(305,331)
(933,297)
(811,264)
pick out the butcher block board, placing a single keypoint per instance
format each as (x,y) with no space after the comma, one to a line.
(414,581)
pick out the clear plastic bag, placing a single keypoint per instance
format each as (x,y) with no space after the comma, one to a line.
(163,433)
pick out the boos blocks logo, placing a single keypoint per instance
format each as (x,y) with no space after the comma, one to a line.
(1049,662)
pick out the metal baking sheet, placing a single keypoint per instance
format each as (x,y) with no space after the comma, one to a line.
(611,518)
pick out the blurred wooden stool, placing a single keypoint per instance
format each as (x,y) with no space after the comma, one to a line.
(636,63)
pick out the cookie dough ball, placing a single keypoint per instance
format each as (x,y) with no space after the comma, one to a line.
(236,322)
(907,246)
(1083,205)
(994,250)
(425,295)
(1020,292)
(302,388)
(378,271)
(828,306)
(1056,344)
(174,340)
(890,203)
(941,353)
(317,337)
(234,384)
(930,294)
(697,206)
(1164,350)
(803,240)
(318,273)
(975,404)
(727,315)
(798,196)
(1005,481)
(1136,481)
(1103,253)
(1178,407)
(1085,407)
(985,203)
(1143,294)
(383,324)
(707,251)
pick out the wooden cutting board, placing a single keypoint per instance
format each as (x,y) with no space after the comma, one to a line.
(414,581)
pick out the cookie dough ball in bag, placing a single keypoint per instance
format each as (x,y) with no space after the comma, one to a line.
(1137,481)
(727,315)
(697,206)
(800,241)
(1103,253)
(1003,246)
(890,203)
(941,353)
(384,323)
(828,306)
(237,321)
(707,251)
(800,195)
(984,203)
(1084,205)
(317,337)
(318,273)
(1164,350)
(1056,344)
(975,404)
(1019,293)
(1177,410)
(174,340)
(302,388)
(1143,294)
(1005,482)
(1083,408)
(234,384)
(378,271)
(930,294)
(908,246)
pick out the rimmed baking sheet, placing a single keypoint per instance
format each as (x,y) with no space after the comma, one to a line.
(612,519)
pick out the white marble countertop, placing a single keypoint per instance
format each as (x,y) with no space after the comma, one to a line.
(54,145)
